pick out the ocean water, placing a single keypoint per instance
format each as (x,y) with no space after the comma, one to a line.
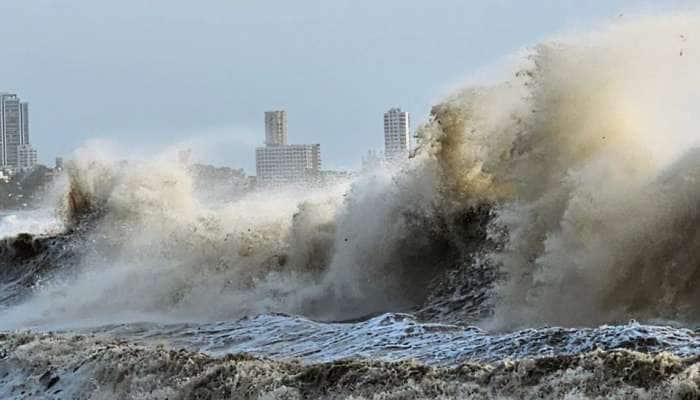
(37,221)
(542,242)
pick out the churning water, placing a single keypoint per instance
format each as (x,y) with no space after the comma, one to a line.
(508,258)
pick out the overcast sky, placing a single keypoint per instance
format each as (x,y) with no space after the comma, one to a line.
(145,74)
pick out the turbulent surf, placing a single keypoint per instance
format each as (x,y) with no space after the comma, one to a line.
(540,242)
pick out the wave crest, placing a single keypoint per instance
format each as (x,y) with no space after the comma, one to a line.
(564,195)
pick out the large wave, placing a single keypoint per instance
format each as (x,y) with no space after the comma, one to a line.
(565,195)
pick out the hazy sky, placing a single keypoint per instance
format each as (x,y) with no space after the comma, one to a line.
(148,73)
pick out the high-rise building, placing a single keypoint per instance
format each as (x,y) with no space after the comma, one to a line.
(275,128)
(279,163)
(397,128)
(26,157)
(15,151)
(24,116)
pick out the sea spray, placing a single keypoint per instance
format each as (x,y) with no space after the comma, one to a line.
(564,195)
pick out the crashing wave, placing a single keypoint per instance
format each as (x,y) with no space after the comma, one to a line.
(565,195)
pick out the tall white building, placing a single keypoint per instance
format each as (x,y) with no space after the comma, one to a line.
(275,128)
(26,157)
(397,128)
(279,163)
(14,134)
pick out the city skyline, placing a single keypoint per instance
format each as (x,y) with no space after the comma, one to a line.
(23,156)
(205,75)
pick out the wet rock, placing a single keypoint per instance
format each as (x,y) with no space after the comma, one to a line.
(22,246)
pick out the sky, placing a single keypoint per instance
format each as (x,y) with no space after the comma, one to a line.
(144,75)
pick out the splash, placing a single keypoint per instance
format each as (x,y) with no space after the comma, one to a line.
(565,195)
(585,159)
